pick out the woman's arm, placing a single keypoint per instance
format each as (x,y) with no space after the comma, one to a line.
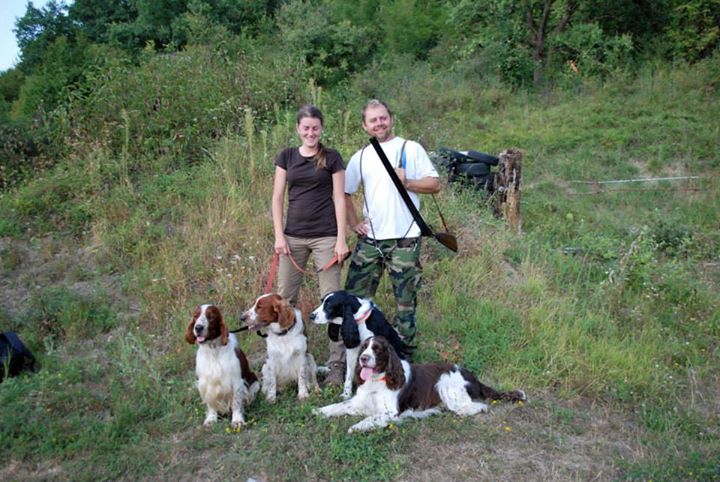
(278,201)
(338,180)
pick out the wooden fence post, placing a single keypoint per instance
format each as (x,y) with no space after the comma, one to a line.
(507,188)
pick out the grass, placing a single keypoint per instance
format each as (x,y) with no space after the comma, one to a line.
(605,310)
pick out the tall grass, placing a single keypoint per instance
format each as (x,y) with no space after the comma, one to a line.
(607,297)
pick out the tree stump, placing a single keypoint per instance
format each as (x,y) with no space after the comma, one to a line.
(507,188)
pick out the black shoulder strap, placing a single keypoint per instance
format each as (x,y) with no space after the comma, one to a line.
(425,229)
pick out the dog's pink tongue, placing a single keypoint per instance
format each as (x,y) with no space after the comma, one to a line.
(366,373)
(200,339)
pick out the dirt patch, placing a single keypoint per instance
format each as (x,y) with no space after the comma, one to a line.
(544,439)
(30,266)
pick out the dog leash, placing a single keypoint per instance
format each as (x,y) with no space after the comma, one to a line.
(276,261)
(271,279)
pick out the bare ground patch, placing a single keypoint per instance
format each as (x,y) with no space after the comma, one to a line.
(544,439)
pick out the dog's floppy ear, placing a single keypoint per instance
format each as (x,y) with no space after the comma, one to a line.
(285,313)
(394,373)
(334,331)
(223,330)
(350,332)
(190,332)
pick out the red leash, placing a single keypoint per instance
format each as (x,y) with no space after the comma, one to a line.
(276,262)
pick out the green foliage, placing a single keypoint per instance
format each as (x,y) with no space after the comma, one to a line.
(641,20)
(607,301)
(592,52)
(10,83)
(173,104)
(38,29)
(63,68)
(332,49)
(694,29)
(25,151)
(61,202)
(98,17)
(493,35)
(412,27)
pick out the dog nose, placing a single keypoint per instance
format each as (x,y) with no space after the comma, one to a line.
(243,316)
(313,316)
(364,358)
(198,328)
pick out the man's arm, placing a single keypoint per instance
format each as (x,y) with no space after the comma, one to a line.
(356,224)
(425,185)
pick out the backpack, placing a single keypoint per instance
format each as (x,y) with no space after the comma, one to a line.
(470,167)
(14,355)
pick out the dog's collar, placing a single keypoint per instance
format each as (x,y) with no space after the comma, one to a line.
(361,318)
(285,331)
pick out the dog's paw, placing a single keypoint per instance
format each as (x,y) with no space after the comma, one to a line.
(209,421)
(361,426)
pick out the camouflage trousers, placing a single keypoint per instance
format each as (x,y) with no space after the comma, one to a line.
(401,257)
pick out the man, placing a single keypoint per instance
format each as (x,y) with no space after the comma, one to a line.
(388,235)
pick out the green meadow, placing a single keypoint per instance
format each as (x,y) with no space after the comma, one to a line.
(152,196)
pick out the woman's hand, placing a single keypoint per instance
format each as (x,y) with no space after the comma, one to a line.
(341,250)
(281,245)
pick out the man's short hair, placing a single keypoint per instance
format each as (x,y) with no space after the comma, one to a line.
(375,103)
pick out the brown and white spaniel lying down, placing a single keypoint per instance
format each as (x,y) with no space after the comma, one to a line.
(225,381)
(288,360)
(391,389)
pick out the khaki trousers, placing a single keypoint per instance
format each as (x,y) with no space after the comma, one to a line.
(290,280)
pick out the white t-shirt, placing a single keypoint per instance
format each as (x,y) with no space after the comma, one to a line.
(389,216)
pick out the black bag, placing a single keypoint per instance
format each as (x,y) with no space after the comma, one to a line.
(14,355)
(470,167)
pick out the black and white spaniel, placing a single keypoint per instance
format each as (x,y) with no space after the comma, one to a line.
(390,389)
(356,319)
(225,381)
(288,360)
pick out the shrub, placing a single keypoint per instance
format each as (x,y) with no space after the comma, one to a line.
(331,49)
(25,151)
(587,50)
(59,313)
(174,104)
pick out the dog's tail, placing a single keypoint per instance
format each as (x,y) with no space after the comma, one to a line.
(478,390)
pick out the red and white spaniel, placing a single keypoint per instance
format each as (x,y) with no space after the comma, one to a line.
(288,360)
(225,381)
(391,389)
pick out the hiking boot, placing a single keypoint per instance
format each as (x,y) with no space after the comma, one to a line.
(336,375)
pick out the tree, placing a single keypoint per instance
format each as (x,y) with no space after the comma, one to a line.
(412,26)
(331,48)
(545,20)
(96,17)
(694,30)
(38,29)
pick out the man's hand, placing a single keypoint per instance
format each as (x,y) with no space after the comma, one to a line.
(401,175)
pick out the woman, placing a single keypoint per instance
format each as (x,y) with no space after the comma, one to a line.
(315,223)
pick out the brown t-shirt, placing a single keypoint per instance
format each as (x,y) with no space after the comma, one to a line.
(311,210)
